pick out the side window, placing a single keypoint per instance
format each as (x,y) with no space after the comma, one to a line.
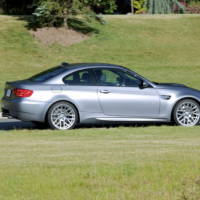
(115,77)
(83,77)
(107,77)
(128,80)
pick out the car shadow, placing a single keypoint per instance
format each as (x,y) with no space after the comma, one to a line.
(8,124)
(15,124)
(127,124)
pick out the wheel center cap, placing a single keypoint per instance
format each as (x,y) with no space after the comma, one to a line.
(62,116)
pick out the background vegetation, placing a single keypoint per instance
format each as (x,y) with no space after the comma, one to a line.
(160,162)
(165,49)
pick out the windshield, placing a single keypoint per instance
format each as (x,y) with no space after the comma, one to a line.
(46,75)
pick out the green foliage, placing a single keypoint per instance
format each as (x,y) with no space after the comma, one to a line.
(22,7)
(164,6)
(74,14)
(193,7)
(27,6)
(48,13)
(139,5)
(105,6)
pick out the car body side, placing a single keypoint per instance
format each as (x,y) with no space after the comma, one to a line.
(87,100)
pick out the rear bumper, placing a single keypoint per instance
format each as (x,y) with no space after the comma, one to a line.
(24,109)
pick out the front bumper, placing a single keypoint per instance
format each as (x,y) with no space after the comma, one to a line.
(24,109)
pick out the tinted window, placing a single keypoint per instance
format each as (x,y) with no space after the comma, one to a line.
(115,77)
(50,73)
(83,77)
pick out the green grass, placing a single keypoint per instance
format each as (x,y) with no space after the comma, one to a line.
(162,49)
(98,163)
(126,163)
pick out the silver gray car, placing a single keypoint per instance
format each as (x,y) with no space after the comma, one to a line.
(70,94)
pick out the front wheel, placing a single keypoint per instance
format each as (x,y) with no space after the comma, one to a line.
(62,116)
(187,113)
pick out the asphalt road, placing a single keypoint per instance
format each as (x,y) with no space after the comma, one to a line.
(12,124)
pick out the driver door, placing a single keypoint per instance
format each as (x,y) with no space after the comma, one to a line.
(119,94)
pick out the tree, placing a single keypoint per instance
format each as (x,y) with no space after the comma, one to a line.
(132,6)
(68,13)
(101,6)
(138,6)
(21,7)
(27,6)
(164,6)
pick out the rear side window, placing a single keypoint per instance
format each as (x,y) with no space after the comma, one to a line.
(82,78)
(50,73)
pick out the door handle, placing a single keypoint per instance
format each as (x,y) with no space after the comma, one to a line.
(166,97)
(104,91)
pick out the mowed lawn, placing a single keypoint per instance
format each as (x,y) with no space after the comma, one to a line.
(165,49)
(121,163)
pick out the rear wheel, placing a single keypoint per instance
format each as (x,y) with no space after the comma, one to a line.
(62,116)
(187,113)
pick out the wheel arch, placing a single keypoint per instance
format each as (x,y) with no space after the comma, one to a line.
(61,100)
(181,99)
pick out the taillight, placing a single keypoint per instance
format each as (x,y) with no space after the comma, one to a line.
(22,92)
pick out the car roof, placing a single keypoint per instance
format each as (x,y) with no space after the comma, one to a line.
(77,66)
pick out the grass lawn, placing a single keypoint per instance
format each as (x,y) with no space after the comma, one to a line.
(103,164)
(162,49)
(125,163)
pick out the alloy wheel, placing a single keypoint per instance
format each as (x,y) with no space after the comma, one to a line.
(187,113)
(62,116)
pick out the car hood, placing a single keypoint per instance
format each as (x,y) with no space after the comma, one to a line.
(170,85)
(176,86)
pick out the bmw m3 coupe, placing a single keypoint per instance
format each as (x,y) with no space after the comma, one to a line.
(69,94)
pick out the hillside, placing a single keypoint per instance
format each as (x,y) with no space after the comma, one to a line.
(160,48)
(138,162)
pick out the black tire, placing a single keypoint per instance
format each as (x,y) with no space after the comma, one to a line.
(67,116)
(185,122)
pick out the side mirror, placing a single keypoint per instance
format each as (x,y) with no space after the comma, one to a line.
(143,85)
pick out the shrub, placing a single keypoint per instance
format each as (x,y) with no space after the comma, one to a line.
(164,6)
(48,13)
(99,6)
(139,5)
(68,13)
(193,7)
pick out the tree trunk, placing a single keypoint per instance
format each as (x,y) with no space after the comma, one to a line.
(132,7)
(65,14)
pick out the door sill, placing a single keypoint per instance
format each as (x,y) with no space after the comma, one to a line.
(122,119)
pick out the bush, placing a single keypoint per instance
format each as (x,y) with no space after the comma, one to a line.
(75,14)
(48,14)
(193,7)
(139,5)
(164,6)
(99,6)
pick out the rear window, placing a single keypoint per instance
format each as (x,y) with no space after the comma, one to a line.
(46,75)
